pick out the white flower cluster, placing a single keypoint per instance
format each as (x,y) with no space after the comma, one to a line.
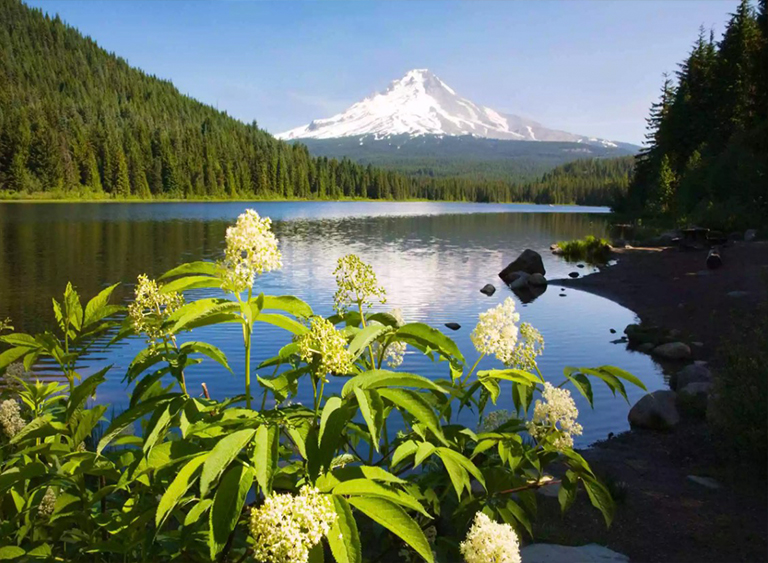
(558,413)
(286,527)
(47,503)
(327,344)
(530,345)
(496,331)
(494,419)
(251,249)
(10,418)
(151,308)
(490,542)
(356,283)
(395,351)
(14,375)
(5,325)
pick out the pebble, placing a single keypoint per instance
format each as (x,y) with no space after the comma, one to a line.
(453,326)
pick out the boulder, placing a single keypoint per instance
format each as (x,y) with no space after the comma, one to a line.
(750,235)
(488,289)
(646,347)
(714,260)
(694,373)
(555,248)
(693,399)
(537,280)
(520,280)
(697,389)
(672,351)
(655,411)
(552,553)
(529,262)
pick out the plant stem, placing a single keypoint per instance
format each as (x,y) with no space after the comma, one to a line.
(470,372)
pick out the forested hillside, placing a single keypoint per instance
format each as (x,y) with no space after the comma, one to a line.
(79,122)
(707,159)
(474,158)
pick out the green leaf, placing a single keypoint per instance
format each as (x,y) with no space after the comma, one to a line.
(288,303)
(130,416)
(432,337)
(516,375)
(343,537)
(620,373)
(283,322)
(583,385)
(599,497)
(228,505)
(12,354)
(20,339)
(84,391)
(206,349)
(414,404)
(195,314)
(395,519)
(613,382)
(372,409)
(566,495)
(98,308)
(368,488)
(365,336)
(377,378)
(190,282)
(178,488)
(223,453)
(190,268)
(197,511)
(36,424)
(265,456)
(404,451)
(424,450)
(516,511)
(11,552)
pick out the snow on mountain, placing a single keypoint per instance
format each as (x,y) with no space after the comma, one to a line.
(420,103)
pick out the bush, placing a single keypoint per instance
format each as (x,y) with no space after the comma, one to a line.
(589,249)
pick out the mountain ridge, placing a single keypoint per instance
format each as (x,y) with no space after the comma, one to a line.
(420,103)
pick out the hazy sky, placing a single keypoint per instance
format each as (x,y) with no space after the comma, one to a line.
(591,68)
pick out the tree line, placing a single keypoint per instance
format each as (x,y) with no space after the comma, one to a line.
(79,122)
(707,154)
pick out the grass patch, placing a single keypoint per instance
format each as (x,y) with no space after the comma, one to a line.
(589,249)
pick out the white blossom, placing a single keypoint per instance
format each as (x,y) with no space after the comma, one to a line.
(151,308)
(490,542)
(10,418)
(496,331)
(14,376)
(328,345)
(47,503)
(558,413)
(251,249)
(286,527)
(530,345)
(356,284)
(494,419)
(395,351)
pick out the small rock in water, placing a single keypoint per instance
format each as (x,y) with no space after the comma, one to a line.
(574,274)
(707,482)
(488,289)
(579,265)
(613,331)
(622,340)
(453,326)
(562,295)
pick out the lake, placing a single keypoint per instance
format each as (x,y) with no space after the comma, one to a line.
(432,258)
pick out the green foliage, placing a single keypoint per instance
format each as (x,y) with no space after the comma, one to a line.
(176,477)
(590,249)
(707,158)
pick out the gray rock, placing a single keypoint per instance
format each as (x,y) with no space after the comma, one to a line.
(693,373)
(488,289)
(672,351)
(750,235)
(555,248)
(646,347)
(537,280)
(699,389)
(655,411)
(552,553)
(520,281)
(612,331)
(529,262)
(707,482)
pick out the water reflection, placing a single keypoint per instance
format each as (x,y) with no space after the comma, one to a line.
(432,258)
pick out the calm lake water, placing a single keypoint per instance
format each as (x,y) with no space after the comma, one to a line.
(432,258)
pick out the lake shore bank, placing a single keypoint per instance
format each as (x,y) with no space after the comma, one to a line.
(663,514)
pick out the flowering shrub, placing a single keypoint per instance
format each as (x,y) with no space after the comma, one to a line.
(178,477)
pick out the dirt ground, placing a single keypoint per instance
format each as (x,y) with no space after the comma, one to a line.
(662,515)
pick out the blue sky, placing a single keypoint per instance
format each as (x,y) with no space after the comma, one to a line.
(591,67)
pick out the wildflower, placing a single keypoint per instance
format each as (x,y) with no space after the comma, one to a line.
(395,351)
(356,283)
(324,342)
(494,419)
(557,414)
(496,331)
(286,527)
(10,418)
(5,325)
(530,345)
(251,249)
(14,376)
(490,542)
(47,503)
(151,308)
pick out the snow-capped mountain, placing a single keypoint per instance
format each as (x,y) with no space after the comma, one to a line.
(420,103)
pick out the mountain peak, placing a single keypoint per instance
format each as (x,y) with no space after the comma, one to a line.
(420,103)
